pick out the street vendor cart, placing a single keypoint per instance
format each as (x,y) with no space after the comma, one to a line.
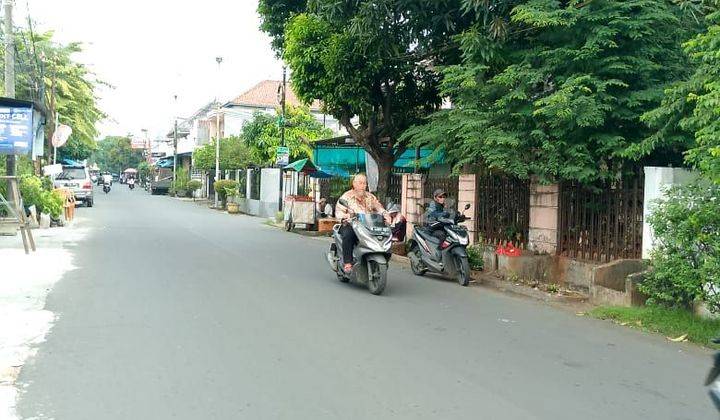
(300,206)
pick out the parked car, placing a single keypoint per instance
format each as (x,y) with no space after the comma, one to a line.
(77,179)
(161,181)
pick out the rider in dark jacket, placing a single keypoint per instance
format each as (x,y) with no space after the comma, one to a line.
(436,210)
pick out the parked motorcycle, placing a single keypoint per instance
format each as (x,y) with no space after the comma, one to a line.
(713,378)
(131,183)
(426,253)
(371,253)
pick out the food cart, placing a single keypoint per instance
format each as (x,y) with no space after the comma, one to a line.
(300,207)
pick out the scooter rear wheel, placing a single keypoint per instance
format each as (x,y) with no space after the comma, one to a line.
(416,264)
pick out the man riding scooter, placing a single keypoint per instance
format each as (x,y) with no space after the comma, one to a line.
(359,201)
(435,211)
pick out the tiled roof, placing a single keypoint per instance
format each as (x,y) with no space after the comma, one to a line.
(265,94)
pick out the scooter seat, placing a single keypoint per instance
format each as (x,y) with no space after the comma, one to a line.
(427,235)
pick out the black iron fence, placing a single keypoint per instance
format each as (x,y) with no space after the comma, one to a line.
(394,186)
(448,183)
(603,222)
(255,182)
(502,211)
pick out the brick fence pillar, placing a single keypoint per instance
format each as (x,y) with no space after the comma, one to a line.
(467,195)
(412,195)
(544,202)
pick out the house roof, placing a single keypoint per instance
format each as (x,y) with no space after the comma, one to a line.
(265,95)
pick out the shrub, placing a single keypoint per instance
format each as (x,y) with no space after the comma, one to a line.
(193,185)
(53,203)
(686,260)
(475,256)
(222,186)
(37,191)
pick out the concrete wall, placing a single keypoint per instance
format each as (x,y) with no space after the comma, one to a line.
(467,195)
(657,181)
(544,201)
(412,198)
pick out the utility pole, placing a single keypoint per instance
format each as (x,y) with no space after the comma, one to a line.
(57,122)
(282,127)
(175,144)
(217,133)
(9,73)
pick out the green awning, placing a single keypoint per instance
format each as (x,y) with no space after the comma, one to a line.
(302,165)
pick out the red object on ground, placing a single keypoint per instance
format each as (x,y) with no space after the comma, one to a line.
(512,251)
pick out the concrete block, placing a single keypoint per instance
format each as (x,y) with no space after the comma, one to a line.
(529,267)
(543,217)
(576,275)
(547,236)
(539,188)
(544,200)
(635,296)
(603,296)
(490,261)
(613,275)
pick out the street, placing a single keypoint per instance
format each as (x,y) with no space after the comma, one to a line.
(177,311)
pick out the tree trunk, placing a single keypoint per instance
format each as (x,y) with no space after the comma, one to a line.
(385,164)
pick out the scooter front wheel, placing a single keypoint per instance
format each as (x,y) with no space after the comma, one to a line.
(462,266)
(377,277)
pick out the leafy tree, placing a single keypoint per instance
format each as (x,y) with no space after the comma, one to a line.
(47,72)
(262,135)
(115,154)
(373,60)
(690,114)
(234,154)
(557,89)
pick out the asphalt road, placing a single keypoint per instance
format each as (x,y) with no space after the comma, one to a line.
(181,312)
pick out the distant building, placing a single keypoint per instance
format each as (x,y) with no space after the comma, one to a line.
(265,98)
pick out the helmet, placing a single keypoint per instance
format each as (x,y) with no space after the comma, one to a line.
(438,192)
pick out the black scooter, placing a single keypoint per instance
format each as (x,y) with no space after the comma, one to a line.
(426,253)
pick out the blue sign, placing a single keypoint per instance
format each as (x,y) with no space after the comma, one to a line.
(16,130)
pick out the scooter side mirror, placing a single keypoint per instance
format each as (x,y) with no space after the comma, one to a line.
(467,206)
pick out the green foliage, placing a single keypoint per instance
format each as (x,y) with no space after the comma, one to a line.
(180,185)
(47,72)
(36,191)
(193,185)
(475,256)
(222,186)
(666,321)
(234,154)
(559,90)
(690,114)
(262,135)
(144,170)
(686,262)
(369,59)
(115,154)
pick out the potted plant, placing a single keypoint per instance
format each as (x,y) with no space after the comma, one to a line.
(193,186)
(232,205)
(221,189)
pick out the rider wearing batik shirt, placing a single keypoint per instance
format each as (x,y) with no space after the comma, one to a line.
(359,201)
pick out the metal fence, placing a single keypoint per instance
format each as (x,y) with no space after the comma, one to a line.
(502,211)
(394,192)
(255,182)
(332,188)
(604,222)
(447,183)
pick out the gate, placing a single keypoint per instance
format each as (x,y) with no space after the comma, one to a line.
(502,211)
(603,222)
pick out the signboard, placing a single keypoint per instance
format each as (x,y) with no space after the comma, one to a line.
(61,135)
(282,156)
(139,143)
(51,170)
(16,130)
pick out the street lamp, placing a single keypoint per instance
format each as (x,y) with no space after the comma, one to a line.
(219,61)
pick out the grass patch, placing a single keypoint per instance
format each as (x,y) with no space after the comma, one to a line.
(671,323)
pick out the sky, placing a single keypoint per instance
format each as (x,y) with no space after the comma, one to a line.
(152,50)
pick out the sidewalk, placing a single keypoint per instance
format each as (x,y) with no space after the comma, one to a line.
(25,281)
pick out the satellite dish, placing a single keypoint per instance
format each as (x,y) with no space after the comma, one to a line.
(61,135)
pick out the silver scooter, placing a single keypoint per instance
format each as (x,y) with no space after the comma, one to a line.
(426,253)
(371,253)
